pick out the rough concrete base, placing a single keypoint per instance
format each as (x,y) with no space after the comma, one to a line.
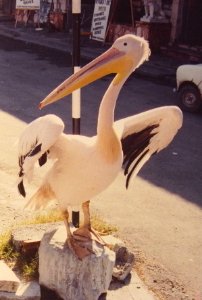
(132,288)
(25,291)
(73,279)
(32,233)
(9,282)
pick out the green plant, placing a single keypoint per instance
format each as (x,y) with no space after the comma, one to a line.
(50,216)
(27,264)
(101,226)
(7,251)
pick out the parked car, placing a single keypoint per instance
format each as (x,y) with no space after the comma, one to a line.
(189,87)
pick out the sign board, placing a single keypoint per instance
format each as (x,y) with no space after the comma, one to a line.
(27,4)
(100,19)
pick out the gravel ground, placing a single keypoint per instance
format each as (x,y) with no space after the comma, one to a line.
(10,216)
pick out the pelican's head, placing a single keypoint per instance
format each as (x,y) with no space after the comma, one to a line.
(134,48)
(126,54)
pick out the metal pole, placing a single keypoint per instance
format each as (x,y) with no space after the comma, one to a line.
(76,95)
(76,110)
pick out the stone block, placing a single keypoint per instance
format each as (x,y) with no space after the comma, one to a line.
(9,282)
(125,261)
(25,291)
(61,271)
(28,236)
(113,242)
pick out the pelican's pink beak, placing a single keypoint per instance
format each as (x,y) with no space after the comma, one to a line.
(111,61)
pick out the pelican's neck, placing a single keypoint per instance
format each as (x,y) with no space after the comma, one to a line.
(108,142)
(107,107)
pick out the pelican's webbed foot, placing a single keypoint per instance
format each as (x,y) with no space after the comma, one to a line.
(82,239)
(85,234)
(79,249)
(82,242)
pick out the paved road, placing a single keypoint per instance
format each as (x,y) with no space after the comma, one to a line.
(160,216)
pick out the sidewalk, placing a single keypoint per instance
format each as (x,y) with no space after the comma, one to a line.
(159,68)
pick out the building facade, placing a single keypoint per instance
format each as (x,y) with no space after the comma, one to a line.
(184,17)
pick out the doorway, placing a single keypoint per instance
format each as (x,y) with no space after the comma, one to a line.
(191,33)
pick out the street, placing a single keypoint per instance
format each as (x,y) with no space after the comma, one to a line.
(160,215)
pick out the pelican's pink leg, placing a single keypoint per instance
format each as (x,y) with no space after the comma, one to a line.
(79,250)
(86,231)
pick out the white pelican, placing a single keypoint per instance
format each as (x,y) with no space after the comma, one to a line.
(85,166)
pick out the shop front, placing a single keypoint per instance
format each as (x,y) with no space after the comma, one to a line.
(54,14)
(146,18)
(41,13)
(7,8)
(161,22)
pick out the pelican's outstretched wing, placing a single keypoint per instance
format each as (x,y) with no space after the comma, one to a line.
(145,134)
(34,145)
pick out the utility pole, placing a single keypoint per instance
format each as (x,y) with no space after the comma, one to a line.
(76,95)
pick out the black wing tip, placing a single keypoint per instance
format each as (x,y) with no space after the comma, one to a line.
(43,159)
(21,173)
(36,150)
(135,147)
(127,184)
(21,189)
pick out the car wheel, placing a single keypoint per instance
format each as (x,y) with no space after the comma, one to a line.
(189,98)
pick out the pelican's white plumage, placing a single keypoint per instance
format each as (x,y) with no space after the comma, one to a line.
(162,123)
(36,140)
(85,166)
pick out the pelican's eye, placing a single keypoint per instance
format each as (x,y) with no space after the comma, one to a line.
(125,44)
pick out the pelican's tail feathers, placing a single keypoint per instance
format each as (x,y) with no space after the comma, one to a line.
(41,199)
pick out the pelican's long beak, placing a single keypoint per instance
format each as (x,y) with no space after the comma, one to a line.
(111,61)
